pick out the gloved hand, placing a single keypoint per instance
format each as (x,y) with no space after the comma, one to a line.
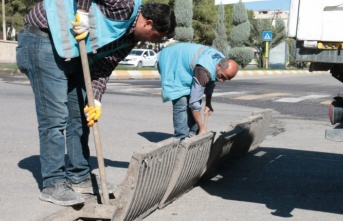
(81,25)
(93,113)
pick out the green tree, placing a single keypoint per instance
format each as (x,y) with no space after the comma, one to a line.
(292,55)
(169,2)
(220,42)
(240,36)
(15,11)
(204,20)
(184,14)
(255,39)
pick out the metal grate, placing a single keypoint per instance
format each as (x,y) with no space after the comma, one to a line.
(190,164)
(147,180)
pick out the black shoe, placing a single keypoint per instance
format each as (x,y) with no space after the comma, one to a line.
(92,185)
(61,194)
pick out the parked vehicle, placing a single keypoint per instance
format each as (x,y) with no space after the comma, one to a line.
(140,58)
(314,24)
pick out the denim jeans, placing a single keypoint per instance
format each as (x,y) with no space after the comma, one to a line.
(183,119)
(60,96)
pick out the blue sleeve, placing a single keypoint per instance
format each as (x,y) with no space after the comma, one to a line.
(195,99)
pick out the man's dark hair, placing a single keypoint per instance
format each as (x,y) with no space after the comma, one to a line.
(162,15)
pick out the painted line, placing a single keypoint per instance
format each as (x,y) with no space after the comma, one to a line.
(297,99)
(117,84)
(138,89)
(253,97)
(227,93)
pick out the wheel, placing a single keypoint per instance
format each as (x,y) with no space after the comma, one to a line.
(139,64)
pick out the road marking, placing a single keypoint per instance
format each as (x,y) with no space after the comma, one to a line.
(218,94)
(117,84)
(253,97)
(297,99)
(138,89)
(128,88)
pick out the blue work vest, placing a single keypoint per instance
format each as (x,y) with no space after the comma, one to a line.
(102,31)
(176,65)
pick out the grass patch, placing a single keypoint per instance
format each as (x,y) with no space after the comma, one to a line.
(122,67)
(9,66)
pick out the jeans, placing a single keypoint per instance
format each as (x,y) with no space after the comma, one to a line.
(60,96)
(183,120)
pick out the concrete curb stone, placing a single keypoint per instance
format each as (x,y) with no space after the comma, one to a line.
(122,75)
(154,75)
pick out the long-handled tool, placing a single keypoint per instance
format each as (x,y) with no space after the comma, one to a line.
(206,120)
(90,97)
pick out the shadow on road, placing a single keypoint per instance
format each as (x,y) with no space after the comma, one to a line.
(155,136)
(32,164)
(283,180)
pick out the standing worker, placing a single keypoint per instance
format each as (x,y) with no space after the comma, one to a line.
(48,54)
(188,71)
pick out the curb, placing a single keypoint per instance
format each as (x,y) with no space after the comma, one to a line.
(124,75)
(154,75)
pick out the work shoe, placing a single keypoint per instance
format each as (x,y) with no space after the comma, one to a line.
(61,194)
(92,185)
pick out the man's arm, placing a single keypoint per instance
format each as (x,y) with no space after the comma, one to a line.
(197,91)
(83,5)
(209,91)
(200,84)
(102,70)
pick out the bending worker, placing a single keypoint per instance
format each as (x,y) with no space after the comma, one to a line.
(188,71)
(48,54)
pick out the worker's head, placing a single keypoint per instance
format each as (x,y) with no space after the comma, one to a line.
(226,69)
(155,22)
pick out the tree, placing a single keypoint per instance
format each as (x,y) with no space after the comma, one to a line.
(184,14)
(292,55)
(255,39)
(204,18)
(240,35)
(220,42)
(168,2)
(16,11)
(205,15)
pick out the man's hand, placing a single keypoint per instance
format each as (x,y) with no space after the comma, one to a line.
(81,25)
(208,110)
(93,113)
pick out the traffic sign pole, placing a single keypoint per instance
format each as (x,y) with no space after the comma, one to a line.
(267,36)
(267,54)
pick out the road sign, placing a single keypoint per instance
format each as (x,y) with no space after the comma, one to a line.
(267,36)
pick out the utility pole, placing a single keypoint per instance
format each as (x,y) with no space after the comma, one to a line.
(3,20)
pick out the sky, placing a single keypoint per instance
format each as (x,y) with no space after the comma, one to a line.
(268,5)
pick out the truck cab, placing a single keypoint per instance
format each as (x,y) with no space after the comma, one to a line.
(316,27)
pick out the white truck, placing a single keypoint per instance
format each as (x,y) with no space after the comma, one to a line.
(316,27)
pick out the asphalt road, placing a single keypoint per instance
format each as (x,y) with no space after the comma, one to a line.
(295,174)
(302,96)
